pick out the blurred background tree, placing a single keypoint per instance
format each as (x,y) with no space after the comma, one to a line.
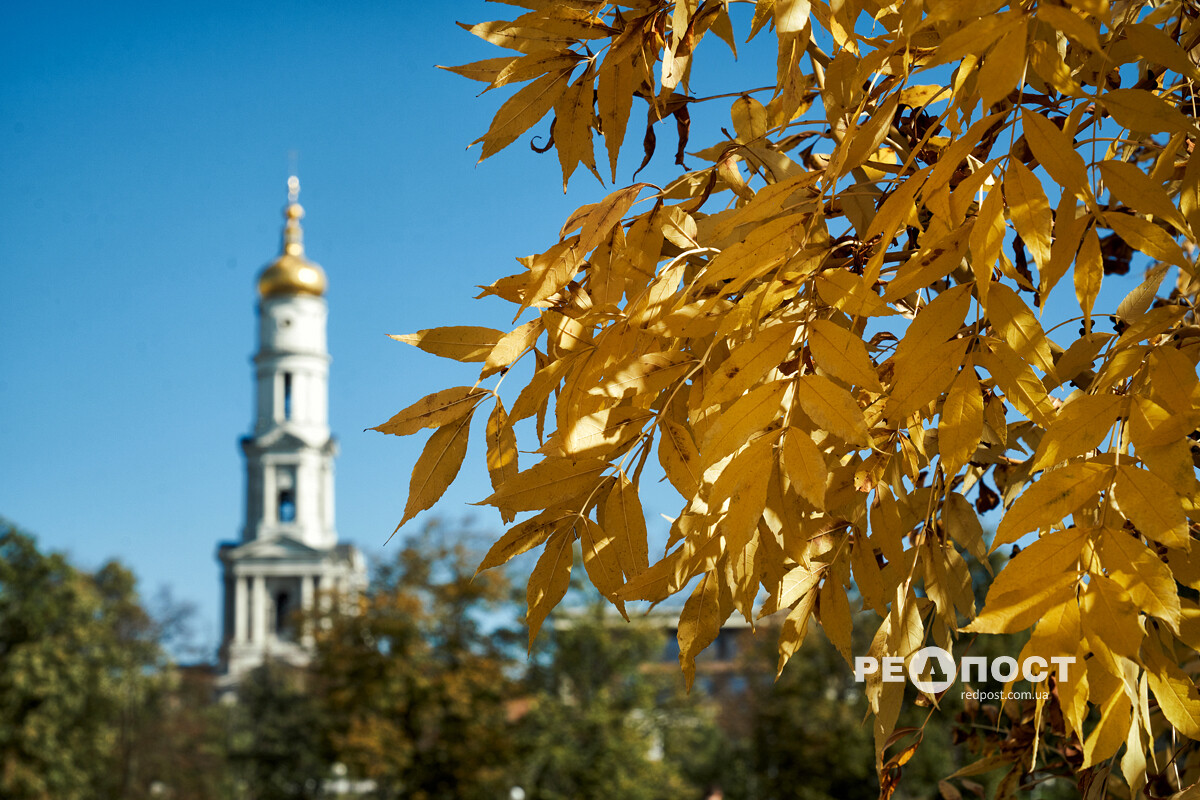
(605,720)
(414,684)
(277,736)
(78,658)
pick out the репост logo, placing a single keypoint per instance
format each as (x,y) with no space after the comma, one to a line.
(1003,669)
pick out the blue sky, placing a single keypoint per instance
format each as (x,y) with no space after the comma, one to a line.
(144,150)
(145,153)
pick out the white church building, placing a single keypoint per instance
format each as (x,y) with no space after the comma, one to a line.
(288,557)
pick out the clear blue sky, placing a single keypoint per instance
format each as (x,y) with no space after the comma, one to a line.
(143,157)
(144,150)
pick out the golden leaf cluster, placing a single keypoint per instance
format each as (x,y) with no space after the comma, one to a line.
(835,332)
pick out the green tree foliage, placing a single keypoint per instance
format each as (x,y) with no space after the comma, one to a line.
(179,747)
(413,686)
(277,736)
(77,661)
(605,720)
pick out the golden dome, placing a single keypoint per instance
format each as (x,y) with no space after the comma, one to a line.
(292,273)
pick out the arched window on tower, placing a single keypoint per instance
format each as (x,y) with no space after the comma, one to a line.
(287,505)
(287,395)
(285,482)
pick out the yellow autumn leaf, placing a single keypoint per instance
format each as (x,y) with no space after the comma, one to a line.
(501,450)
(524,536)
(606,214)
(867,138)
(1071,24)
(679,457)
(1004,67)
(1089,273)
(805,466)
(836,619)
(1140,192)
(1151,505)
(1046,62)
(1079,426)
(1058,633)
(604,431)
(600,560)
(1141,110)
(485,70)
(550,272)
(987,241)
(795,627)
(963,526)
(514,36)
(791,16)
(920,381)
(1151,425)
(750,415)
(743,483)
(622,516)
(972,38)
(1009,613)
(843,355)
(1019,327)
(930,264)
(1017,380)
(1157,46)
(1030,210)
(1138,571)
(615,85)
(527,67)
(433,411)
(749,119)
(1056,153)
(521,111)
(1109,734)
(749,362)
(851,295)
(549,581)
(573,126)
(700,621)
(833,408)
(459,342)
(1147,237)
(961,424)
(1045,559)
(437,466)
(1175,691)
(549,482)
(935,323)
(1051,499)
(644,372)
(1110,618)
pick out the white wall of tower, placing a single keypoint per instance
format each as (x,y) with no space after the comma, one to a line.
(292,366)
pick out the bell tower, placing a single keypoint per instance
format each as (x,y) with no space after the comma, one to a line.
(288,556)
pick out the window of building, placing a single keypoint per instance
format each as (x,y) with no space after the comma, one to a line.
(287,505)
(287,395)
(283,613)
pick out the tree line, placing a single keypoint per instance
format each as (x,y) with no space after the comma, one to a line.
(423,688)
